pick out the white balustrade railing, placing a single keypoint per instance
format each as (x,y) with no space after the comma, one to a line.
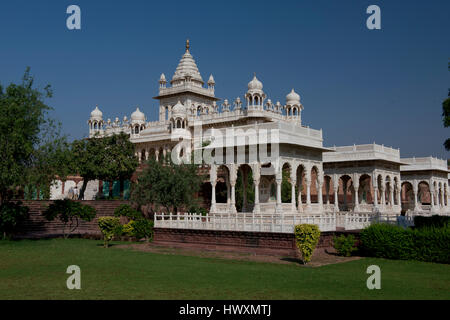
(244,221)
(283,223)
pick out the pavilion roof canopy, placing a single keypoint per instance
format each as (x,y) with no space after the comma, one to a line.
(423,164)
(363,152)
(277,132)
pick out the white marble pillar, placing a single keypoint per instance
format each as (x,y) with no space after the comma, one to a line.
(320,194)
(356,204)
(213,197)
(392,195)
(432,198)
(293,182)
(300,204)
(233,196)
(415,198)
(256,208)
(375,197)
(308,195)
(279,207)
(336,199)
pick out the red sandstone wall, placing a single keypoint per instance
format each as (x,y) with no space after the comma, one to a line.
(271,243)
(38,227)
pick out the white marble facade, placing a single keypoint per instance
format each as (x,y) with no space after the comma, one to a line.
(186,102)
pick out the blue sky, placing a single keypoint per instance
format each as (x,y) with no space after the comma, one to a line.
(358,85)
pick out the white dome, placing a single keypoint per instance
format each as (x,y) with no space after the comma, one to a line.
(179,109)
(162,78)
(211,80)
(292,98)
(96,114)
(137,116)
(255,84)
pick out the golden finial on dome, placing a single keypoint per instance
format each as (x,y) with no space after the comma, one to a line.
(187,45)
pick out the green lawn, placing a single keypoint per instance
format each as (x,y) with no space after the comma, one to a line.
(37,270)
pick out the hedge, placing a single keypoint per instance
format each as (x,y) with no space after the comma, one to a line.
(392,242)
(433,221)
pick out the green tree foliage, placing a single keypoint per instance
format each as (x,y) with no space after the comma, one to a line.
(110,227)
(28,137)
(168,185)
(446,119)
(11,214)
(108,158)
(125,210)
(446,115)
(69,213)
(306,238)
(51,160)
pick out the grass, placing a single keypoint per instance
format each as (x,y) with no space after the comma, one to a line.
(37,270)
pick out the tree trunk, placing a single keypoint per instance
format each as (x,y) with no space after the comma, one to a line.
(83,189)
(111,189)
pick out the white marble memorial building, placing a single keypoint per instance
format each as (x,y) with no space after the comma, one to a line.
(368,178)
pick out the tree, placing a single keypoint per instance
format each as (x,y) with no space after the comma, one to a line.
(167,185)
(120,160)
(69,213)
(107,158)
(50,160)
(446,116)
(25,128)
(446,120)
(11,214)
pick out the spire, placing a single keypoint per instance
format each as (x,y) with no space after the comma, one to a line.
(187,68)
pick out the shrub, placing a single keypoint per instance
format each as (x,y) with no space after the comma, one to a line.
(306,238)
(110,227)
(344,245)
(69,212)
(392,242)
(433,221)
(387,241)
(11,214)
(128,229)
(143,228)
(125,210)
(198,210)
(432,244)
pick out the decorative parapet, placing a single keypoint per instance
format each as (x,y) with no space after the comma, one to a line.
(189,86)
(424,163)
(362,152)
(236,114)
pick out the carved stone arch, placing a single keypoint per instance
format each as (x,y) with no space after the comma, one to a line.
(294,166)
(316,167)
